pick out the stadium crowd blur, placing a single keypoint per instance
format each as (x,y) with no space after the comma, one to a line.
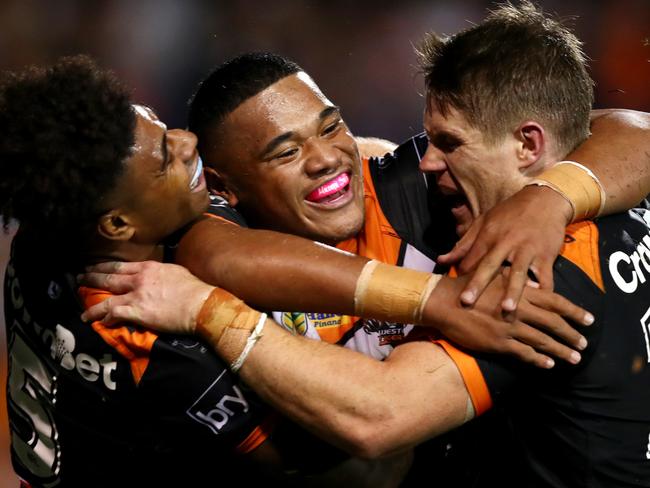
(360,53)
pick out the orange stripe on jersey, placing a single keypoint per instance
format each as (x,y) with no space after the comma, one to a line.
(581,248)
(219,217)
(472,376)
(258,436)
(378,240)
(135,346)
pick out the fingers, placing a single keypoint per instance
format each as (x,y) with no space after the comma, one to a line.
(543,269)
(119,267)
(528,355)
(463,246)
(484,274)
(115,283)
(517,279)
(553,324)
(560,305)
(111,311)
(543,344)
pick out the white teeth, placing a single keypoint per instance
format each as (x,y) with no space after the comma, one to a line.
(197,174)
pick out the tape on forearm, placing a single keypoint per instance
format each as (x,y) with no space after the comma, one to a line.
(392,293)
(222,313)
(578,185)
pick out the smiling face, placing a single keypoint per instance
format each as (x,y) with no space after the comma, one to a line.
(472,174)
(162,187)
(289,162)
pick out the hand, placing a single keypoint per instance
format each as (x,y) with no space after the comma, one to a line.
(482,327)
(164,297)
(526,230)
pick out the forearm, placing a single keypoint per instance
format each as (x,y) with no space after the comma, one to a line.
(366,407)
(618,152)
(270,270)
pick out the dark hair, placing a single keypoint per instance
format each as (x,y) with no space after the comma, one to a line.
(231,84)
(66,130)
(516,64)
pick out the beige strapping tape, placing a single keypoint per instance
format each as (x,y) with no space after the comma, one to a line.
(392,293)
(578,185)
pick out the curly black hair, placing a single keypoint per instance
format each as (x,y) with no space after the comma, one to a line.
(65,132)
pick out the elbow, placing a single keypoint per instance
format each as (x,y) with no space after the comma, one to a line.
(371,440)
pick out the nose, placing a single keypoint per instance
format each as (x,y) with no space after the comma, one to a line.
(182,143)
(433,160)
(321,157)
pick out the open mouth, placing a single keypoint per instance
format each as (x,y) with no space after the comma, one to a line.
(331,190)
(455,201)
(196,176)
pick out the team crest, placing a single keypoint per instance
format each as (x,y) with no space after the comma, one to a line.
(388,333)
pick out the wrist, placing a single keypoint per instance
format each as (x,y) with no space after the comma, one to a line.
(392,293)
(548,198)
(445,297)
(578,185)
(199,297)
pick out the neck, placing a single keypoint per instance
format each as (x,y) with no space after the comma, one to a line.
(124,251)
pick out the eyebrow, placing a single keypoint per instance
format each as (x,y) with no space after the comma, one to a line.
(276,141)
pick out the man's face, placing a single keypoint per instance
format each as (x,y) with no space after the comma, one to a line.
(162,188)
(291,163)
(471,174)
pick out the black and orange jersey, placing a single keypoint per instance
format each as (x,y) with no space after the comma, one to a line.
(396,223)
(586,425)
(91,405)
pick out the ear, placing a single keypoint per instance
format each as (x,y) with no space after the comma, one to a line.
(114,226)
(532,143)
(218,185)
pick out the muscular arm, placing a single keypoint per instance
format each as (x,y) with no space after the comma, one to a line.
(366,407)
(302,275)
(270,270)
(618,152)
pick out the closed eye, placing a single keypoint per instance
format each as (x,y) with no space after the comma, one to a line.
(287,154)
(331,128)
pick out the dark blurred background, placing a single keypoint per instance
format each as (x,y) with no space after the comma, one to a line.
(360,53)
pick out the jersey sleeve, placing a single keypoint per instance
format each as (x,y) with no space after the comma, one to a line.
(219,208)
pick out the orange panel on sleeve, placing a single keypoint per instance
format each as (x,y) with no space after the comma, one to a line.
(581,248)
(259,435)
(134,345)
(472,376)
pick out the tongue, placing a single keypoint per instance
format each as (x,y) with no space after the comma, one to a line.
(330,188)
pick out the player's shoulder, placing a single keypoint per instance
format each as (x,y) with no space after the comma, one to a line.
(220,208)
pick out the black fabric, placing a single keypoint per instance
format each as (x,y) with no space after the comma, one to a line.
(175,428)
(588,425)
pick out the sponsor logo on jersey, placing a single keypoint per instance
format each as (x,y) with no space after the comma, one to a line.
(61,341)
(387,332)
(298,322)
(62,348)
(631,270)
(215,409)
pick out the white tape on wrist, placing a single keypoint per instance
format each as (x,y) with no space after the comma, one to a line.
(255,336)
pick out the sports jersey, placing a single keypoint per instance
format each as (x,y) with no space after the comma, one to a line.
(397,223)
(586,425)
(91,405)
